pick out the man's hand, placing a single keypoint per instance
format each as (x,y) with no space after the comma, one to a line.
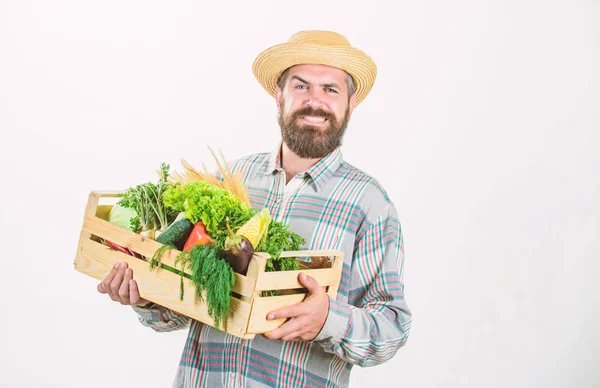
(121,287)
(306,319)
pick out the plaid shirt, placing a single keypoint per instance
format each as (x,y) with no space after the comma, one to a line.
(332,205)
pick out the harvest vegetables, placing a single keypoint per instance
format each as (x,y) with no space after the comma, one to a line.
(215,206)
(223,215)
(211,222)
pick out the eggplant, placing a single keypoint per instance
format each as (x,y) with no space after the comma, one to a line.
(238,251)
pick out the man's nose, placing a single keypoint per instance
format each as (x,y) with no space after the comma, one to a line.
(314,98)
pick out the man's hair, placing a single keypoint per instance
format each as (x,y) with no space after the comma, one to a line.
(349,82)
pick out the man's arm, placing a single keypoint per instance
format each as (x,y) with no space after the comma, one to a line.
(371,329)
(122,288)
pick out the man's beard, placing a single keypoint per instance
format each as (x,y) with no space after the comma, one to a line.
(311,142)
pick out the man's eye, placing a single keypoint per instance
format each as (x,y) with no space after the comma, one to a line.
(300,86)
(330,90)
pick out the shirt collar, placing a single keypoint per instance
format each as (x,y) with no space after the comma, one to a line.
(273,162)
(324,169)
(320,173)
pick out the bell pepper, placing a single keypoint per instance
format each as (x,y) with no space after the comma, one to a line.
(199,235)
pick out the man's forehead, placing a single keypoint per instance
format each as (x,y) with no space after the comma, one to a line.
(317,71)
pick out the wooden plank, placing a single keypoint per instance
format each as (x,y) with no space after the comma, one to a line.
(284,280)
(243,285)
(161,286)
(103,211)
(263,306)
(108,193)
(256,266)
(312,253)
(126,238)
(90,210)
(331,252)
(263,255)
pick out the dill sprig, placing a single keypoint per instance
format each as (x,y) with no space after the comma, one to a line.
(212,274)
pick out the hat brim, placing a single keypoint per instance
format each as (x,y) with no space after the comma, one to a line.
(271,63)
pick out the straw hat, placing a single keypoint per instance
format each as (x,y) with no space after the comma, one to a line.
(316,47)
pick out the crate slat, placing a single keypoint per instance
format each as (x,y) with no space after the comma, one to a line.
(263,306)
(286,280)
(310,253)
(103,211)
(108,193)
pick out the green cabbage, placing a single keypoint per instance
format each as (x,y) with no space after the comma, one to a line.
(125,217)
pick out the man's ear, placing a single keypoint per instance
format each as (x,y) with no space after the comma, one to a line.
(278,96)
(351,104)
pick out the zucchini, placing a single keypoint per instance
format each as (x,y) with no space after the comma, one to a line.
(176,234)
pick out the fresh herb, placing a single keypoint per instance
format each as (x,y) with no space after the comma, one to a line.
(155,260)
(155,193)
(212,274)
(280,238)
(147,200)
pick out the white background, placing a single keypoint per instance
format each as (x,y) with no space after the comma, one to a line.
(482,125)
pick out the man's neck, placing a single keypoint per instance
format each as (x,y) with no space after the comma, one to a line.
(293,164)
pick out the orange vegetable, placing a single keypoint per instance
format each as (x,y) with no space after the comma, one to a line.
(199,235)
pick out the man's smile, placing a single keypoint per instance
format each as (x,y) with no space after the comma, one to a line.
(313,119)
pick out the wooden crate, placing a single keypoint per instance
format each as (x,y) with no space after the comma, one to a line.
(248,309)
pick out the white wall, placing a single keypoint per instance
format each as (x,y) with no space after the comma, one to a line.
(482,126)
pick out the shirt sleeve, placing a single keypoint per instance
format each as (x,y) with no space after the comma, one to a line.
(375,323)
(161,319)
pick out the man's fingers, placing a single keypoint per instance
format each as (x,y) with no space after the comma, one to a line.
(291,326)
(117,280)
(310,283)
(124,288)
(287,312)
(295,336)
(120,286)
(108,279)
(134,293)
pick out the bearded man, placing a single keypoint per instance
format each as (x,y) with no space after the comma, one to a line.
(317,80)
